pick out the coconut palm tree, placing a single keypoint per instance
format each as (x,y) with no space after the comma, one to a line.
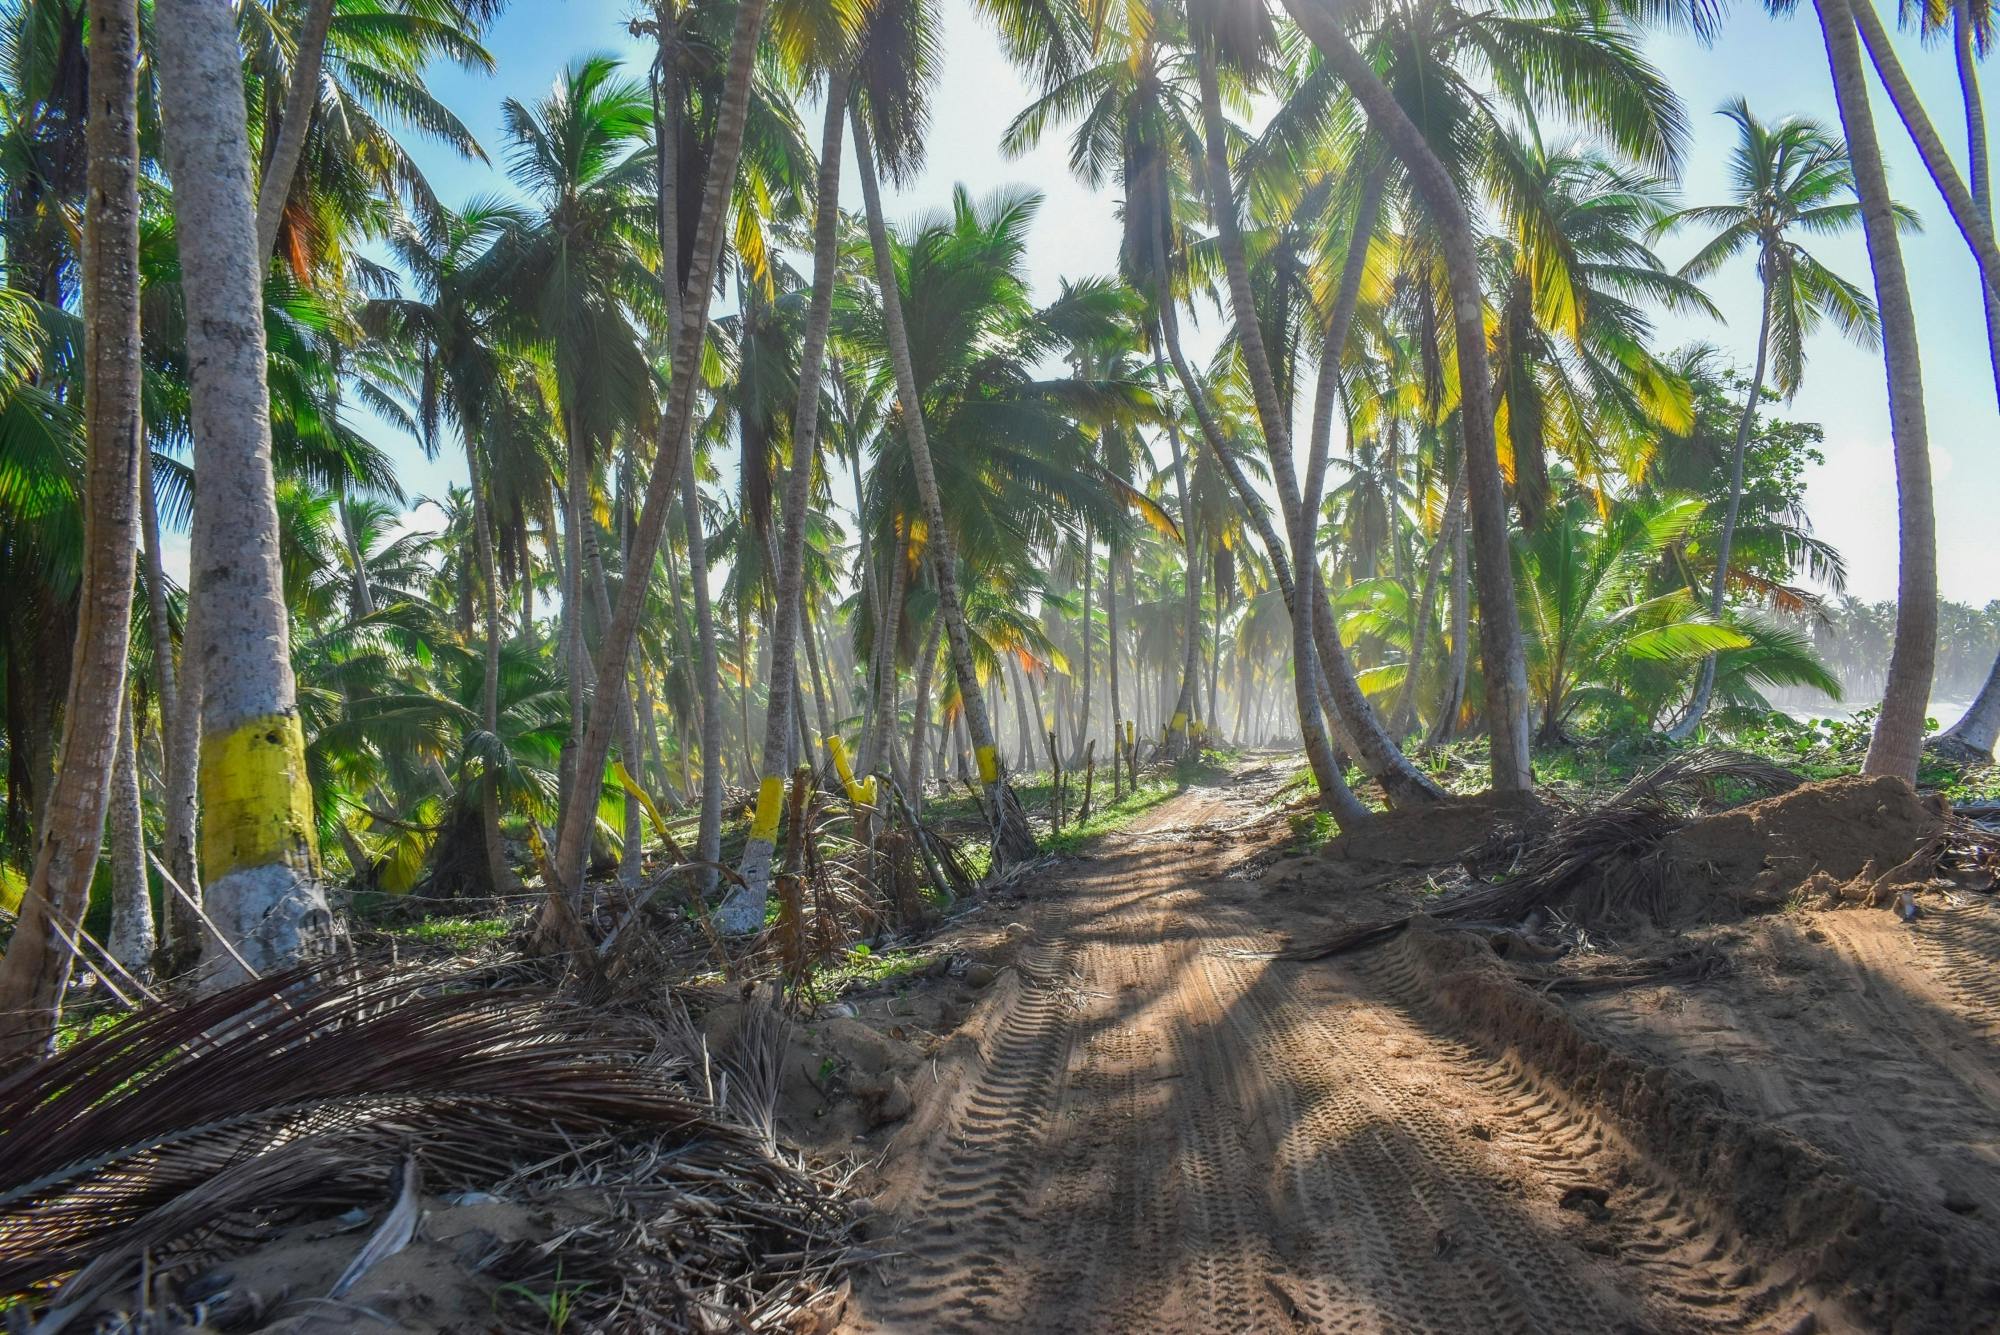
(1899,729)
(1786,178)
(259,857)
(37,964)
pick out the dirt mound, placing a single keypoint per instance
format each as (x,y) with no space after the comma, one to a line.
(1761,852)
(1439,833)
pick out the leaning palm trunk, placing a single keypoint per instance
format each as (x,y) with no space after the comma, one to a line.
(131,941)
(743,911)
(1704,687)
(294,121)
(1971,221)
(37,966)
(1506,673)
(1978,164)
(259,860)
(676,422)
(1012,841)
(1899,729)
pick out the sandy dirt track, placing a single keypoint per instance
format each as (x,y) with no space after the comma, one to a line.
(1148,1126)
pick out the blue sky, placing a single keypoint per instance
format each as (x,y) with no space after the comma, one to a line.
(1777,63)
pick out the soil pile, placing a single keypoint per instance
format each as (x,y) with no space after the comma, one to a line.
(1440,833)
(1859,826)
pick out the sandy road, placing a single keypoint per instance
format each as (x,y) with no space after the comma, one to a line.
(1158,1130)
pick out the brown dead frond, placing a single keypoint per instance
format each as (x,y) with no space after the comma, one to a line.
(1709,777)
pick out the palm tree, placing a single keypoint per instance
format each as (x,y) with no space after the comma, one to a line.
(37,964)
(1785,178)
(888,103)
(675,427)
(259,858)
(1899,729)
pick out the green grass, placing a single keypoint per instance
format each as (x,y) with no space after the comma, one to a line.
(453,933)
(863,967)
(1114,815)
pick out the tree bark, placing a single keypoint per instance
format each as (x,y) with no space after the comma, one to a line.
(1899,728)
(743,911)
(708,839)
(1404,719)
(1012,841)
(131,941)
(301,97)
(180,720)
(1506,675)
(37,965)
(260,861)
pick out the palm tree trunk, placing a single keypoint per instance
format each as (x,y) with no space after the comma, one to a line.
(1111,660)
(1445,726)
(498,874)
(260,862)
(131,941)
(1978,161)
(743,911)
(300,99)
(1404,719)
(1704,688)
(675,425)
(875,745)
(1899,729)
(1084,637)
(921,714)
(1506,675)
(180,929)
(1973,225)
(708,839)
(1012,841)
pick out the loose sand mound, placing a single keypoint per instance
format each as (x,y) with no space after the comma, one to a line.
(1439,833)
(1842,828)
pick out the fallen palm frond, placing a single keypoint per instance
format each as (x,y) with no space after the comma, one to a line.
(181,1132)
(1594,866)
(1708,777)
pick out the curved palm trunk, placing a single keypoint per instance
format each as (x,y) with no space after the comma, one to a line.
(1979,727)
(283,160)
(676,422)
(1972,223)
(259,860)
(1012,841)
(743,911)
(71,828)
(1506,676)
(1899,728)
(131,941)
(1704,688)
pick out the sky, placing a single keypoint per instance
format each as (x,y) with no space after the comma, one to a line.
(1778,64)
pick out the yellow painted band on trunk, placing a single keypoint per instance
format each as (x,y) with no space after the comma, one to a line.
(256,805)
(645,799)
(868,792)
(1180,721)
(837,748)
(1131,731)
(989,765)
(770,806)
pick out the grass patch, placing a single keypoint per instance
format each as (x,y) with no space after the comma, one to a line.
(1114,815)
(453,933)
(864,967)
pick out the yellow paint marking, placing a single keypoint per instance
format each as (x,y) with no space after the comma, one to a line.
(989,765)
(770,807)
(256,804)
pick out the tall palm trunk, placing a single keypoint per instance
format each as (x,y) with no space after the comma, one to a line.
(180,709)
(131,941)
(300,99)
(676,422)
(708,839)
(37,965)
(1899,728)
(1012,841)
(1111,660)
(1404,719)
(1704,688)
(876,746)
(1084,638)
(498,874)
(920,711)
(259,860)
(1184,701)
(1976,731)
(743,911)
(1506,672)
(1445,726)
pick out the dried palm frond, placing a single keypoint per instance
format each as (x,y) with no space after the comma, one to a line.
(193,1127)
(1709,777)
